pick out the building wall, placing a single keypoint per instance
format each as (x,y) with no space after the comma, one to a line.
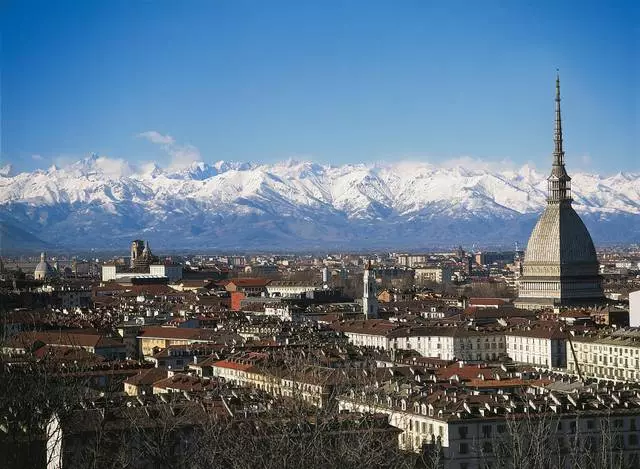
(108,272)
(147,344)
(172,272)
(446,347)
(634,309)
(539,351)
(605,360)
(468,443)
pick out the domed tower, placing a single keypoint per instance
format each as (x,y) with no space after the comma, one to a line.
(43,269)
(560,265)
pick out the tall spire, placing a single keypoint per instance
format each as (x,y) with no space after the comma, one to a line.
(558,154)
(559,182)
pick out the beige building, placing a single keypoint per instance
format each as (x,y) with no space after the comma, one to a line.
(614,357)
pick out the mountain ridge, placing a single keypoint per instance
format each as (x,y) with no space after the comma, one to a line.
(101,202)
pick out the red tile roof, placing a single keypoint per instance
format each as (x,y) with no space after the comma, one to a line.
(247,282)
(233,365)
(65,338)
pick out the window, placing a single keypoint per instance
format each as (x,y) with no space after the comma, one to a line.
(464,448)
(501,428)
(591,424)
(486,431)
(462,432)
(633,439)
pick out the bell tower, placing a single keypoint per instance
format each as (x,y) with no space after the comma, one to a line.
(369,299)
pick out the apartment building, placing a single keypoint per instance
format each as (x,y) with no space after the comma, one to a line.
(614,357)
(542,346)
(475,430)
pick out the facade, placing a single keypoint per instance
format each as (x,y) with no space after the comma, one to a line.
(634,309)
(560,267)
(433,274)
(539,346)
(614,357)
(446,343)
(172,271)
(471,431)
(287,289)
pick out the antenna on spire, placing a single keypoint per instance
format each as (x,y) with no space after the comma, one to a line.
(558,153)
(559,182)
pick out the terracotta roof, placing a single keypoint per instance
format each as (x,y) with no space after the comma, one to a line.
(371,326)
(186,383)
(538,332)
(147,377)
(184,333)
(233,365)
(487,301)
(65,338)
(465,372)
(247,282)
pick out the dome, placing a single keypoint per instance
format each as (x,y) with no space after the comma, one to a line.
(560,264)
(43,269)
(560,237)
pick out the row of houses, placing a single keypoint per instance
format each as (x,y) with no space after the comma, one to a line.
(464,427)
(543,346)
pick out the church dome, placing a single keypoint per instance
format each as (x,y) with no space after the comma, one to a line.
(43,269)
(560,237)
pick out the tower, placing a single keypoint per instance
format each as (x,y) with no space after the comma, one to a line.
(43,270)
(369,300)
(560,265)
(137,247)
(325,277)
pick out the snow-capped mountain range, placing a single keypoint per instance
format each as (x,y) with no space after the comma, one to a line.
(104,203)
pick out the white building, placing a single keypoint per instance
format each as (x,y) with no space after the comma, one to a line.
(471,431)
(172,271)
(447,343)
(369,299)
(538,346)
(108,272)
(634,309)
(287,289)
(615,357)
(433,274)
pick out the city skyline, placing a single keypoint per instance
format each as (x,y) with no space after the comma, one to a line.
(336,84)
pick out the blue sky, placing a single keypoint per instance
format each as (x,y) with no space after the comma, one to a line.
(330,81)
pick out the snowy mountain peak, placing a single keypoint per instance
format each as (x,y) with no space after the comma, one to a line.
(6,170)
(302,203)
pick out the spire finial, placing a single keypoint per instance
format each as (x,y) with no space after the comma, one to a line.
(559,181)
(558,153)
